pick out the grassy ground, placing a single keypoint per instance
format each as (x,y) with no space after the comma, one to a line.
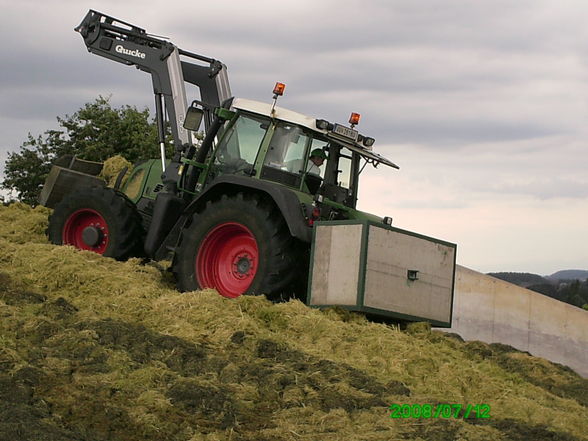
(94,349)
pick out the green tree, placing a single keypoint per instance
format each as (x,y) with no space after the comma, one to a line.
(95,132)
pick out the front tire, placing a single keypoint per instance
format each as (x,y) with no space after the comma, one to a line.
(238,245)
(97,219)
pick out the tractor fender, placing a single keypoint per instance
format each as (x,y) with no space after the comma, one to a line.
(284,198)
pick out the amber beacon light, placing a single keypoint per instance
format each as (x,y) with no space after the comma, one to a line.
(279,89)
(354,118)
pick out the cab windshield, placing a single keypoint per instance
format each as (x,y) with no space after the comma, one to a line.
(240,145)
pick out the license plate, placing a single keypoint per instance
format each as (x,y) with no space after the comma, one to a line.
(345,132)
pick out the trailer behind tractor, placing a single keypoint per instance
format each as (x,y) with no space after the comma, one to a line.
(238,211)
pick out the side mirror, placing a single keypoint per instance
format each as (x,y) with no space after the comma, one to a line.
(193,118)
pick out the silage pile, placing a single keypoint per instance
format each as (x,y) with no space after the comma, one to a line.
(94,349)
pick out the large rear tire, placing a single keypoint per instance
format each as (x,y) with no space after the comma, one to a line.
(97,219)
(238,245)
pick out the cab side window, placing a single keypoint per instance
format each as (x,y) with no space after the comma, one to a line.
(344,175)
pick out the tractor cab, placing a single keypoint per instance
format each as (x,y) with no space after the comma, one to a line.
(307,155)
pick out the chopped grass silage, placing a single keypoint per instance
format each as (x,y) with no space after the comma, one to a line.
(112,167)
(20,224)
(95,349)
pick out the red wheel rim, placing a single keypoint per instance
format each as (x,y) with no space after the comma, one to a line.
(86,229)
(227,259)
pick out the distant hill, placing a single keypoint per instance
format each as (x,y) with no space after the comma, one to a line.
(569,286)
(521,279)
(569,275)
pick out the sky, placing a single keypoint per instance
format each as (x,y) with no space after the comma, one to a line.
(483,104)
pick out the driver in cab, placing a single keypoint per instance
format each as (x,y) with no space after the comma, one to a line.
(317,158)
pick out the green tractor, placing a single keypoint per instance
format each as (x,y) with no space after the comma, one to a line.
(234,211)
(264,203)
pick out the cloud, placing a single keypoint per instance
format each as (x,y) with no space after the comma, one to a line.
(482,104)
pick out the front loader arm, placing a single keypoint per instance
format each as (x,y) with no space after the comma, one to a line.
(131,45)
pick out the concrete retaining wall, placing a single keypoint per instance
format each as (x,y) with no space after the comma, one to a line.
(495,311)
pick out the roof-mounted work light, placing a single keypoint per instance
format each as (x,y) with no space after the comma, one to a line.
(368,142)
(323,124)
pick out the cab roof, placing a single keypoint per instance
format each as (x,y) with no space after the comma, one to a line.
(279,113)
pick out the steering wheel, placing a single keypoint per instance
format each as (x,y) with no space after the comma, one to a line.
(235,165)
